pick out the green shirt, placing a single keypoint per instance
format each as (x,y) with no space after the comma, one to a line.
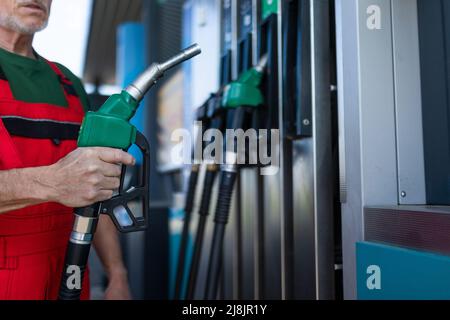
(34,81)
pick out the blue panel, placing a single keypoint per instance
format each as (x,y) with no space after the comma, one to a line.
(131,62)
(387,273)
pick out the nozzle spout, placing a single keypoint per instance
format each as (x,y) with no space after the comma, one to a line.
(147,79)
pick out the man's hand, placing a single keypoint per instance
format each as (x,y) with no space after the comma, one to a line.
(85,176)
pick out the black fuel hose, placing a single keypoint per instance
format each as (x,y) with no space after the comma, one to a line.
(227,181)
(203,215)
(185,233)
(77,255)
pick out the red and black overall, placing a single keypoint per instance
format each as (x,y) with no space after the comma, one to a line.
(33,240)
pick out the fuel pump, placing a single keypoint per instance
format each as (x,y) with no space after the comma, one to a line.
(240,98)
(110,127)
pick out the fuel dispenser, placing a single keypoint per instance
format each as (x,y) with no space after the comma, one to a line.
(271,78)
(240,98)
(252,103)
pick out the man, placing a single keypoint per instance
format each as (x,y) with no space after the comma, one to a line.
(43,175)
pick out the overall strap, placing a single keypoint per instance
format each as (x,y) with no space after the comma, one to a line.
(5,90)
(63,80)
(9,157)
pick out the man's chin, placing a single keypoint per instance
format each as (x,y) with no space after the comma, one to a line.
(30,27)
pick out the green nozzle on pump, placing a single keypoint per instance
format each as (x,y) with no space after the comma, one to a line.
(245,91)
(111,121)
(243,96)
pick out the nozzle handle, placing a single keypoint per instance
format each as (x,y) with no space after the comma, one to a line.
(147,79)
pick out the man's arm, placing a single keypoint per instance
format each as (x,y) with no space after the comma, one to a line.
(21,188)
(84,177)
(106,243)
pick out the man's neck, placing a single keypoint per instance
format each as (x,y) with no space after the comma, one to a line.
(17,43)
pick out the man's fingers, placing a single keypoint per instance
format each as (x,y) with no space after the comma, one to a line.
(110,183)
(111,170)
(104,195)
(116,156)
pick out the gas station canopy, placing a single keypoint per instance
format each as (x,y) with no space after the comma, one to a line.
(100,64)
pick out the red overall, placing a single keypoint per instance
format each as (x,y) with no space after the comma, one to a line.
(33,240)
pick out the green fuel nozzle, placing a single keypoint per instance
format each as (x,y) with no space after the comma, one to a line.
(241,97)
(109,126)
(245,90)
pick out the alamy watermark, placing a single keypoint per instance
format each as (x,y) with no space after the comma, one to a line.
(252,147)
(73,281)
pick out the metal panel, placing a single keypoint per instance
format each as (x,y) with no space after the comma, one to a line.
(349,145)
(313,172)
(249,209)
(377,108)
(417,227)
(408,102)
(323,168)
(366,101)
(304,224)
(272,237)
(344,47)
